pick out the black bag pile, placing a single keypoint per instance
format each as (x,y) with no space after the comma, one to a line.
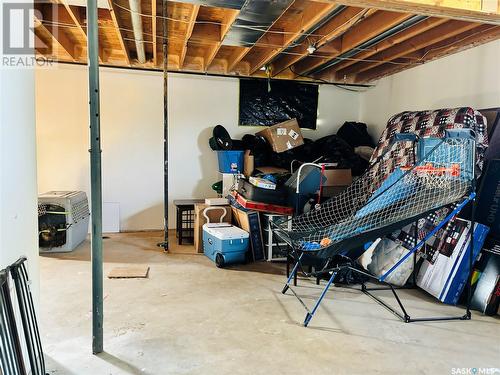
(329,149)
(333,148)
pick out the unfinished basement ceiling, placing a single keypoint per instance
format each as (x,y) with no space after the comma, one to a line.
(295,39)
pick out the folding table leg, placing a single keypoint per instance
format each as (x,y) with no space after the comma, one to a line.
(309,315)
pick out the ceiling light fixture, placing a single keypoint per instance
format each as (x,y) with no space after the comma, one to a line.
(311,49)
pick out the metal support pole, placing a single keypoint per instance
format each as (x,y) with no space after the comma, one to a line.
(468,314)
(95,176)
(164,244)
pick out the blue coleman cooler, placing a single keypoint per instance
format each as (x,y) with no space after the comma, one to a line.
(224,243)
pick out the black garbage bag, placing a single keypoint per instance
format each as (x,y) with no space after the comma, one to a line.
(344,276)
(303,153)
(347,276)
(329,149)
(259,148)
(355,134)
(333,149)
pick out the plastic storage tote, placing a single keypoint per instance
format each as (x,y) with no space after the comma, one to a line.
(230,161)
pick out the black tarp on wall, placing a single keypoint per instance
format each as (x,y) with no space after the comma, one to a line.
(285,100)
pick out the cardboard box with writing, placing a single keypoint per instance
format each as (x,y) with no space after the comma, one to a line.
(283,136)
(199,220)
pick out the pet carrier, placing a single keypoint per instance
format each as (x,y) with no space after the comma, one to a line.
(63,220)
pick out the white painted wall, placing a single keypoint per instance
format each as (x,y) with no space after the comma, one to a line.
(470,78)
(131,138)
(132,134)
(18,200)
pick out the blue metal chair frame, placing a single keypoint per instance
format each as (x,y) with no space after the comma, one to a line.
(405,317)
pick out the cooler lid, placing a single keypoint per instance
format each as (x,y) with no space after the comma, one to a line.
(224,231)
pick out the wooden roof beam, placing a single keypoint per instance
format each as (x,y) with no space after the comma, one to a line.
(44,45)
(60,40)
(484,11)
(229,18)
(113,11)
(363,31)
(332,29)
(412,31)
(48,24)
(74,14)
(189,31)
(437,34)
(312,15)
(479,35)
(236,57)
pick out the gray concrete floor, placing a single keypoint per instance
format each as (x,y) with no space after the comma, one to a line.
(188,317)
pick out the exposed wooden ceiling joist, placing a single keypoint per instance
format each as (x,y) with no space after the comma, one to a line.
(361,32)
(437,34)
(48,29)
(311,15)
(46,43)
(360,41)
(225,26)
(236,57)
(482,34)
(190,26)
(484,11)
(400,37)
(329,31)
(118,31)
(74,14)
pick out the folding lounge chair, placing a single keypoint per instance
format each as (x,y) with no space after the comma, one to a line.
(413,173)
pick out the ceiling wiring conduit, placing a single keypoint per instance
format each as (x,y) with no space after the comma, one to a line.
(135,13)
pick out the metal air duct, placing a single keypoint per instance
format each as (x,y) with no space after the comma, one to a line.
(231,4)
(255,17)
(135,14)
